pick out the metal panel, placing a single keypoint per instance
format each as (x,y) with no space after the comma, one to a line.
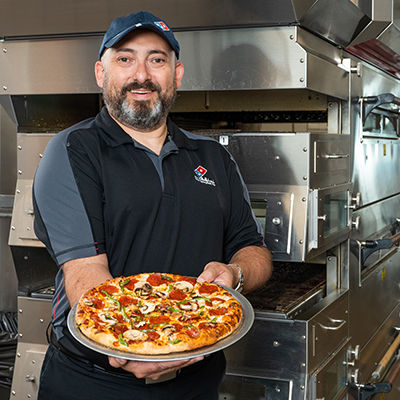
(232,59)
(34,318)
(327,330)
(379,294)
(340,21)
(272,349)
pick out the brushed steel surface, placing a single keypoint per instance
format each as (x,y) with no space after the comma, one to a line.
(379,294)
(34,315)
(28,364)
(340,22)
(376,167)
(269,58)
(30,148)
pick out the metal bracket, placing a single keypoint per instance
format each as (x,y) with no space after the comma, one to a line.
(367,104)
(364,392)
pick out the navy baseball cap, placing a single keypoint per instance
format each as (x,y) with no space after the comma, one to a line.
(121,26)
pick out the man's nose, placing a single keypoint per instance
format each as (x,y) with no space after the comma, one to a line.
(142,72)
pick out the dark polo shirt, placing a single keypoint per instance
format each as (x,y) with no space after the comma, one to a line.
(97,191)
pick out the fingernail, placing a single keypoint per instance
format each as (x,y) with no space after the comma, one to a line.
(121,361)
(201,280)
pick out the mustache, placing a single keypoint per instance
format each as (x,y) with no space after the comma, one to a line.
(146,85)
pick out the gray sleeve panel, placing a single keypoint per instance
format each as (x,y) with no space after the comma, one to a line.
(60,206)
(193,136)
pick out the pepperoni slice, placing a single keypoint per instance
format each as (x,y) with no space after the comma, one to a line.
(159,319)
(188,279)
(131,284)
(193,332)
(208,289)
(120,328)
(153,335)
(177,295)
(110,289)
(218,311)
(125,300)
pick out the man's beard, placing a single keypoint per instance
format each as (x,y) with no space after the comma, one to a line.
(140,115)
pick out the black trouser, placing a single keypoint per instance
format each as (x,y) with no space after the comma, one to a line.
(65,378)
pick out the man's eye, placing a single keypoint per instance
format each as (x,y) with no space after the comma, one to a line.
(123,59)
(158,60)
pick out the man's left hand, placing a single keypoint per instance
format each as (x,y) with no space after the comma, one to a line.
(220,273)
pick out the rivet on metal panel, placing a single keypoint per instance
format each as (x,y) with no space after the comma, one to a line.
(305,149)
(302,387)
(5,87)
(19,147)
(18,354)
(303,337)
(301,241)
(302,60)
(304,177)
(18,191)
(20,172)
(276,344)
(4,50)
(20,335)
(291,37)
(41,320)
(303,199)
(13,392)
(301,79)
(277,390)
(303,365)
(20,310)
(33,362)
(13,228)
(277,158)
(40,155)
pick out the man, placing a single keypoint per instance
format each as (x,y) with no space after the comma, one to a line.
(129,192)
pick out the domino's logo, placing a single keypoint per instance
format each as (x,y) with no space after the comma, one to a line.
(200,171)
(162,25)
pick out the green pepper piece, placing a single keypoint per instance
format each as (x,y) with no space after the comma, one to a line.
(110,298)
(121,340)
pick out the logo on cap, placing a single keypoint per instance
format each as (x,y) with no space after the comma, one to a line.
(162,25)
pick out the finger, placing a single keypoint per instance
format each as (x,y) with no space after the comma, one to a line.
(117,362)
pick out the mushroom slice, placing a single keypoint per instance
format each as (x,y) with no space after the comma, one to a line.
(134,334)
(147,308)
(143,288)
(183,286)
(189,306)
(169,329)
(137,323)
(107,318)
(161,294)
(87,302)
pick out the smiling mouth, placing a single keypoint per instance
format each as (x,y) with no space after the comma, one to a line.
(141,91)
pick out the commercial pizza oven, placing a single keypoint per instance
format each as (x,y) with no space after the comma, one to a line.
(305,96)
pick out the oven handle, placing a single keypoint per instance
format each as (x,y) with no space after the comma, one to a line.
(341,322)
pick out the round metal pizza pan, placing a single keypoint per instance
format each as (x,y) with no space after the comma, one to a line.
(244,326)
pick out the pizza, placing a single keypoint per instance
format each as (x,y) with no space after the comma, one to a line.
(157,313)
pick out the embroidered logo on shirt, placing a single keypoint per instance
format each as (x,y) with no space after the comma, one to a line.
(199,176)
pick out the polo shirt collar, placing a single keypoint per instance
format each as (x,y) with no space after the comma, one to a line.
(115,136)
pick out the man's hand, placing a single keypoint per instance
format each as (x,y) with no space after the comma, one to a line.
(151,370)
(255,262)
(220,273)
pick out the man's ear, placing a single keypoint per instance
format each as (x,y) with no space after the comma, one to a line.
(99,73)
(179,71)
